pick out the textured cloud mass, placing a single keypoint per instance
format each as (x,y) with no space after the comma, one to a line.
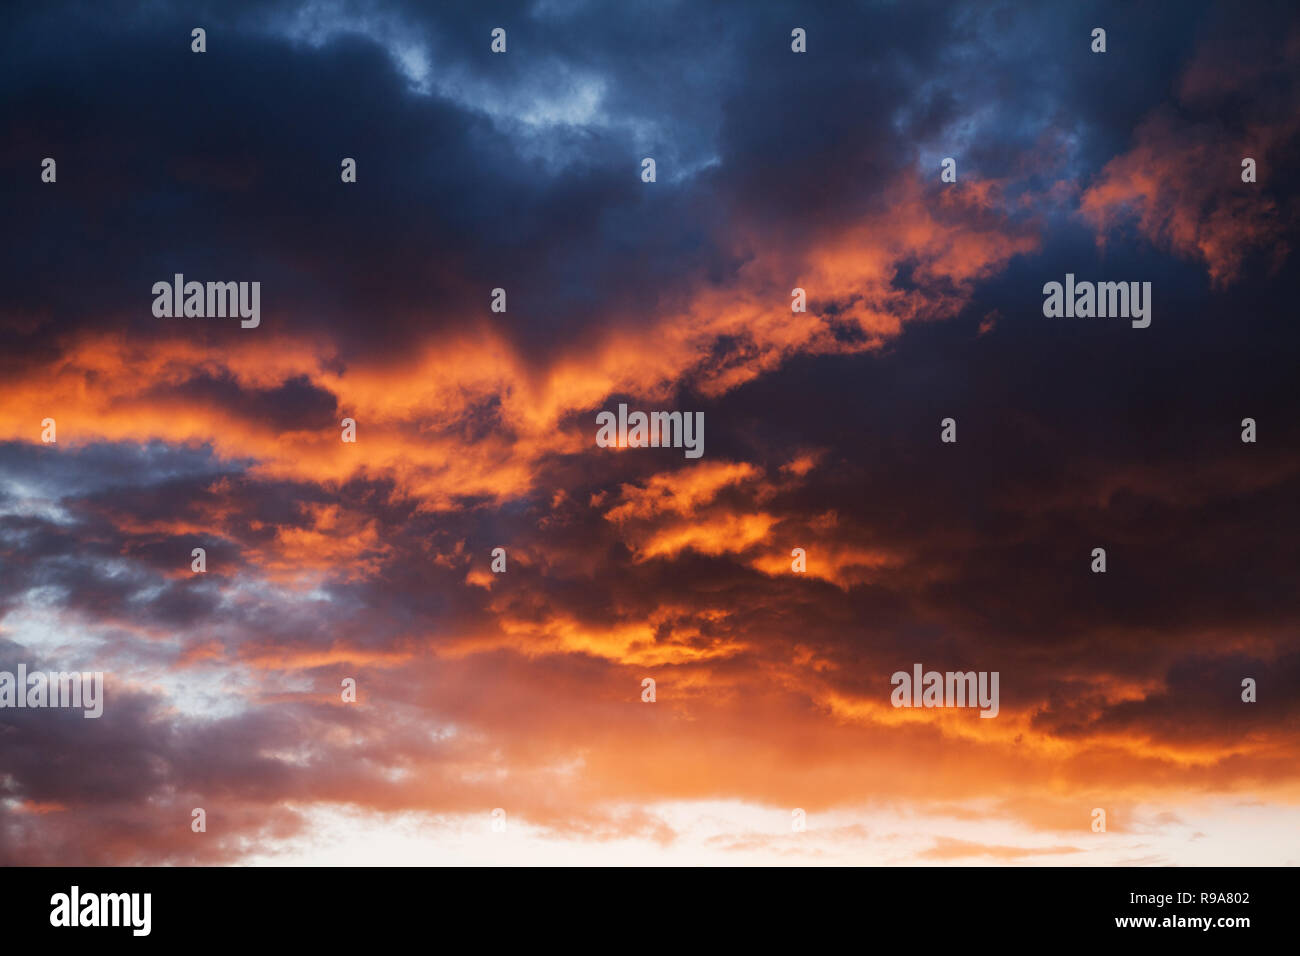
(475,430)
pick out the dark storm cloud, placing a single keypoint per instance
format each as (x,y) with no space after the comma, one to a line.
(1199,705)
(232,172)
(229,168)
(293,405)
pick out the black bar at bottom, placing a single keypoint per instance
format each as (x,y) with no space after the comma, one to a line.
(658,908)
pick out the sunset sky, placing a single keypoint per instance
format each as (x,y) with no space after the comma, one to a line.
(476,430)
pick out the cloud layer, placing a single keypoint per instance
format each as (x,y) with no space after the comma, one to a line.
(475,430)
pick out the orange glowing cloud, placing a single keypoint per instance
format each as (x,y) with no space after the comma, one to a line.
(1182,180)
